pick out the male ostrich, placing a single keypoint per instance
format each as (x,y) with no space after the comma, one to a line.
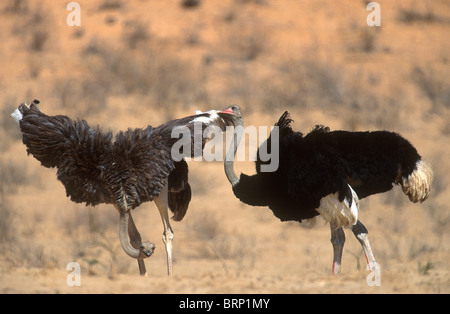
(135,167)
(327,173)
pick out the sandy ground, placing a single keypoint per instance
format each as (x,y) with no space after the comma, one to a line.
(133,63)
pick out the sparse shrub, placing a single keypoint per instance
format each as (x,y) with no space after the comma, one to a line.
(135,32)
(12,175)
(247,38)
(17,6)
(304,82)
(92,243)
(425,268)
(110,5)
(233,250)
(34,26)
(207,228)
(365,40)
(39,37)
(190,4)
(310,83)
(81,96)
(434,85)
(7,225)
(410,15)
(147,72)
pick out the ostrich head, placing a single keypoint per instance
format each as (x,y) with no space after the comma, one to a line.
(231,115)
(146,249)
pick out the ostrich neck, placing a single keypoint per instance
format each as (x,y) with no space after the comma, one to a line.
(123,234)
(231,153)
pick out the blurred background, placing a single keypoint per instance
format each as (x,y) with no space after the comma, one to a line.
(139,62)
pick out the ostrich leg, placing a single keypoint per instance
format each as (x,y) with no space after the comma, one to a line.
(135,240)
(360,233)
(337,240)
(163,206)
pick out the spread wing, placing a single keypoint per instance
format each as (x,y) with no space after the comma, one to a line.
(95,168)
(73,147)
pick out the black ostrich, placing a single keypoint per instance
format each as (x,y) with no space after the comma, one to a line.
(134,167)
(327,173)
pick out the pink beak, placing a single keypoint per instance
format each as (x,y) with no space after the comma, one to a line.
(229,111)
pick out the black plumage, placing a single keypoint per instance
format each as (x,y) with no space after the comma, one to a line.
(128,169)
(325,162)
(179,190)
(93,165)
(326,173)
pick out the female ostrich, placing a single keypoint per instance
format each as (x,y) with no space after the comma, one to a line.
(136,167)
(327,173)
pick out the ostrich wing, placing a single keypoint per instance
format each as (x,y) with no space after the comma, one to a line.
(139,166)
(306,174)
(315,169)
(95,169)
(74,148)
(92,167)
(179,192)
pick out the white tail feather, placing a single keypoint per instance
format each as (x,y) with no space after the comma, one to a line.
(418,184)
(17,115)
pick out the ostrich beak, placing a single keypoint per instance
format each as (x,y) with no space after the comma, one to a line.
(148,249)
(231,115)
(227,117)
(228,111)
(148,253)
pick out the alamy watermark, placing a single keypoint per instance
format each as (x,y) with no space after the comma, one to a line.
(374,17)
(189,144)
(73,279)
(374,277)
(74,17)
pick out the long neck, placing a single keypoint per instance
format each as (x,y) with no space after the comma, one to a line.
(123,234)
(231,153)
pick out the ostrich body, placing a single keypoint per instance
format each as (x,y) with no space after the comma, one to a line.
(327,173)
(134,167)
